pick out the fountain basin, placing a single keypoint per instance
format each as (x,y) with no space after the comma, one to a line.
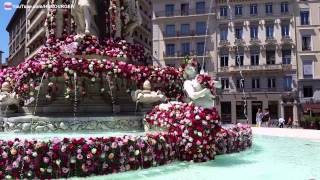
(68,123)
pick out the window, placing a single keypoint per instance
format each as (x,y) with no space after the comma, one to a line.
(240,110)
(185,49)
(224,60)
(239,59)
(170,30)
(238,10)
(269,31)
(254,32)
(269,8)
(170,49)
(225,83)
(287,83)
(184,9)
(255,83)
(200,7)
(223,11)
(308,69)
(169,9)
(223,34)
(304,17)
(307,91)
(254,56)
(238,32)
(271,57)
(286,56)
(284,7)
(201,28)
(271,82)
(253,9)
(185,29)
(240,83)
(200,48)
(306,43)
(285,29)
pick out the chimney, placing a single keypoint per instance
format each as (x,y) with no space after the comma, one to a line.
(1,52)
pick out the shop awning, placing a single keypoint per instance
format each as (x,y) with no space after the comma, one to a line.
(315,108)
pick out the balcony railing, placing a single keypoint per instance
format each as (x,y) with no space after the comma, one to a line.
(183,12)
(256,90)
(248,68)
(184,34)
(286,40)
(179,54)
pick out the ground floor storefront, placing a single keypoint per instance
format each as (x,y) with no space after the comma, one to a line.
(232,107)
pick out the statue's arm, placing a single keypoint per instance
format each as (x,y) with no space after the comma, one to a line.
(194,94)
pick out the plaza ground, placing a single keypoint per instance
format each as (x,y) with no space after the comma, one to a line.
(288,132)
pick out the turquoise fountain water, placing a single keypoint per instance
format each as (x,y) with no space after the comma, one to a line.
(270,158)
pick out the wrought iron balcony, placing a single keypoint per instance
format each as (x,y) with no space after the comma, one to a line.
(239,42)
(255,41)
(271,40)
(187,12)
(224,43)
(254,69)
(179,34)
(179,54)
(286,40)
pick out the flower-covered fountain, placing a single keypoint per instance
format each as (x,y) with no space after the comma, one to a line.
(96,79)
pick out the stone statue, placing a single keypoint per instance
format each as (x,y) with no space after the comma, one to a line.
(195,92)
(133,18)
(83,12)
(7,98)
(146,95)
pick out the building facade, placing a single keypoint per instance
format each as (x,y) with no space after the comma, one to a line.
(251,49)
(308,47)
(256,39)
(17,36)
(36,31)
(180,30)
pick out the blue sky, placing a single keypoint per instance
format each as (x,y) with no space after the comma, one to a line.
(5,16)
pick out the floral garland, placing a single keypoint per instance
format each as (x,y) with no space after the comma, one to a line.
(193,134)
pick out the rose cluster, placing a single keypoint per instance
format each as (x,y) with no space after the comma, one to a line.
(234,139)
(88,45)
(195,126)
(47,63)
(199,131)
(57,158)
(206,81)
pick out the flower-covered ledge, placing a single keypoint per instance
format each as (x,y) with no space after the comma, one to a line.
(63,158)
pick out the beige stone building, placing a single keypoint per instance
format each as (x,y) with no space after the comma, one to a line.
(17,36)
(179,29)
(254,37)
(308,47)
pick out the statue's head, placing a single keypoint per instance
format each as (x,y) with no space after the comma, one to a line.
(5,87)
(190,68)
(147,85)
(190,72)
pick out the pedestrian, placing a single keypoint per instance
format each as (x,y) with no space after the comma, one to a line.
(266,117)
(259,117)
(289,124)
(281,122)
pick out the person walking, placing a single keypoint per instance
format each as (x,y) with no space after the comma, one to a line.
(281,122)
(259,117)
